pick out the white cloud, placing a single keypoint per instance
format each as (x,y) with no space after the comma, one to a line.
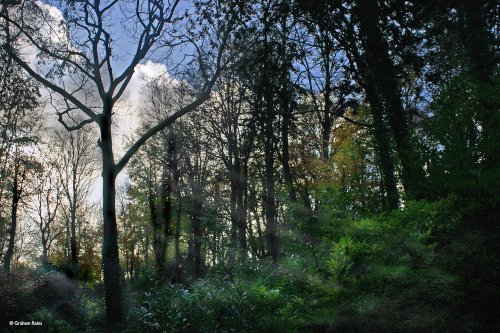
(130,109)
(142,75)
(56,31)
(151,70)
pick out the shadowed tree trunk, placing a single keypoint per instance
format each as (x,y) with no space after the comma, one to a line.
(74,249)
(242,210)
(162,228)
(380,75)
(178,216)
(13,225)
(45,257)
(326,115)
(197,234)
(285,100)
(384,152)
(480,51)
(285,149)
(234,179)
(267,118)
(478,40)
(270,201)
(111,263)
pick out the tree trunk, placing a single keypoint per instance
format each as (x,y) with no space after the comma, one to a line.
(383,77)
(242,211)
(45,256)
(110,254)
(270,201)
(285,96)
(327,117)
(384,152)
(67,241)
(127,262)
(267,90)
(368,67)
(146,250)
(262,237)
(155,224)
(197,236)
(478,41)
(257,245)
(234,186)
(161,233)
(132,262)
(178,215)
(326,132)
(74,250)
(285,150)
(132,256)
(13,226)
(480,51)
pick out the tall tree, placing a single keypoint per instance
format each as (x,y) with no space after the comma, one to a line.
(381,77)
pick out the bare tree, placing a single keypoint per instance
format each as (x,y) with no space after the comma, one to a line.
(233,131)
(76,162)
(46,204)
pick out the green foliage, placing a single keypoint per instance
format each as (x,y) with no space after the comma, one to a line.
(389,273)
(466,132)
(267,300)
(49,323)
(390,246)
(204,307)
(386,272)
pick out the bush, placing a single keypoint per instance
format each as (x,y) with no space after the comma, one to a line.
(220,304)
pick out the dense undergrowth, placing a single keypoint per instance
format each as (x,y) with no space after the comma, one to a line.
(388,273)
(430,267)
